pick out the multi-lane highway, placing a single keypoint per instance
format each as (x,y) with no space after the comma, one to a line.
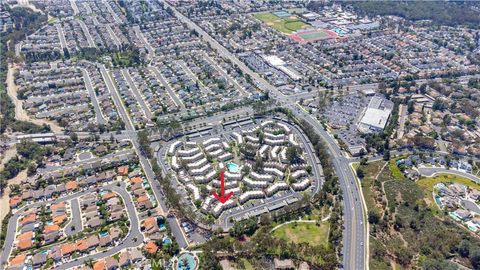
(354,235)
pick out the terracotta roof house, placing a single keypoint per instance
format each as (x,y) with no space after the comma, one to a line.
(30,218)
(136,180)
(122,170)
(68,249)
(25,236)
(24,244)
(144,202)
(71,185)
(137,186)
(57,206)
(15,201)
(82,245)
(99,265)
(109,195)
(18,260)
(50,228)
(151,247)
(150,225)
(59,219)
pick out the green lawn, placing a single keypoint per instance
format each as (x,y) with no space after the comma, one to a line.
(304,233)
(429,182)
(284,25)
(247,264)
(52,20)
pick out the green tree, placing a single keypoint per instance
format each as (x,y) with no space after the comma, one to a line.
(360,173)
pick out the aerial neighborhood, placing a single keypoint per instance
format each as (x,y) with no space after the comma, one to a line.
(187,135)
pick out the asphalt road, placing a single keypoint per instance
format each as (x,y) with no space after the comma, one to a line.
(133,239)
(354,235)
(75,224)
(137,94)
(147,168)
(113,36)
(170,91)
(86,161)
(74,7)
(114,15)
(90,41)
(141,37)
(432,171)
(61,36)
(93,97)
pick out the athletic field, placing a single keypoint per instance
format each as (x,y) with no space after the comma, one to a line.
(313,35)
(286,25)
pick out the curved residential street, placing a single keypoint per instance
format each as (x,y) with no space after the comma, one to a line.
(433,171)
(133,239)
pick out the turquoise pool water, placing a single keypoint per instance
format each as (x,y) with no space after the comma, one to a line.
(162,227)
(232,167)
(167,241)
(437,200)
(103,233)
(186,262)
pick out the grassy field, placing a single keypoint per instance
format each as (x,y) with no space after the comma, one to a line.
(304,233)
(284,25)
(429,182)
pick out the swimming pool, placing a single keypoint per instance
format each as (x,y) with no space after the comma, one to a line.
(232,167)
(103,233)
(186,261)
(438,201)
(167,241)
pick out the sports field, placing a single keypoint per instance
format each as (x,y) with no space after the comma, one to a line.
(286,25)
(313,35)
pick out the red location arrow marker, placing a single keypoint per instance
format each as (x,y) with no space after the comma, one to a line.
(222,198)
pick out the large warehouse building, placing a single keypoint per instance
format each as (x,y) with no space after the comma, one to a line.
(376,115)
